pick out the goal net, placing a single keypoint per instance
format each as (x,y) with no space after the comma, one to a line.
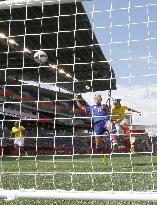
(78,101)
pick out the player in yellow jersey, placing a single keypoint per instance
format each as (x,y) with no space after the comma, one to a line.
(18,132)
(121,120)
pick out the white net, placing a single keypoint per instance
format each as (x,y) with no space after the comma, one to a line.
(56,143)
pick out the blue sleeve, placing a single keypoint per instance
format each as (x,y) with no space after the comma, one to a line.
(88,109)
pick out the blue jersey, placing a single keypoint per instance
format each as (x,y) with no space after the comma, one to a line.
(97,112)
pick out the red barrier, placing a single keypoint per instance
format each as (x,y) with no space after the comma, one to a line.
(9,150)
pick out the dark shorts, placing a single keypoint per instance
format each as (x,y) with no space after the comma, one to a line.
(100,127)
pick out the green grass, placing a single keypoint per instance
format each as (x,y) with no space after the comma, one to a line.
(123,172)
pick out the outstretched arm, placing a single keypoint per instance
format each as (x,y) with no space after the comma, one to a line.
(77,98)
(23,131)
(129,109)
(107,108)
(11,134)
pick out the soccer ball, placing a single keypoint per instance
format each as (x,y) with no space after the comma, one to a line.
(40,57)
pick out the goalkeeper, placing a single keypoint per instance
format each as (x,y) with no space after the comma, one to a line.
(101,121)
(121,120)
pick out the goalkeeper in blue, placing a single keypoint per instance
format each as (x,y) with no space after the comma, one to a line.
(100,120)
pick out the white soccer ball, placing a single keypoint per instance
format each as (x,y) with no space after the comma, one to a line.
(40,57)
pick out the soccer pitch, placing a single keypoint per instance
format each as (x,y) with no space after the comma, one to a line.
(121,173)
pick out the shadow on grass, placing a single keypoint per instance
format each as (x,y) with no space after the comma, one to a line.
(144,164)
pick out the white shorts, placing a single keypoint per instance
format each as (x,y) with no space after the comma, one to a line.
(125,121)
(119,129)
(19,142)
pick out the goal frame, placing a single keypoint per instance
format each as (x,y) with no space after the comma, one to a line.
(62,194)
(79,195)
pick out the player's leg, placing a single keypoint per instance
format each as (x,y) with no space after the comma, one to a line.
(22,147)
(113,135)
(16,144)
(114,142)
(114,146)
(98,131)
(98,142)
(119,129)
(124,125)
(132,142)
(123,129)
(23,151)
(19,146)
(16,147)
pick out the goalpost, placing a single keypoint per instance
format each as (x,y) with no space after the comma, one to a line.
(92,46)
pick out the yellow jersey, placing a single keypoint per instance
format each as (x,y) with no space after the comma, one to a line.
(18,131)
(119,113)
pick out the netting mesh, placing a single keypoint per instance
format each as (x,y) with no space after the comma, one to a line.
(99,47)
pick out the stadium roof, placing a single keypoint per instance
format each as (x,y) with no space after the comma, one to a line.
(76,61)
(22,3)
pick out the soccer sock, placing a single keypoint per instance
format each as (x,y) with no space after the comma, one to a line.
(126,129)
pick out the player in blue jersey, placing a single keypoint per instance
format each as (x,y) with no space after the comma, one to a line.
(101,120)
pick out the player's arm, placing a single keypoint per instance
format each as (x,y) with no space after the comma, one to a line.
(12,134)
(132,110)
(77,99)
(107,109)
(23,130)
